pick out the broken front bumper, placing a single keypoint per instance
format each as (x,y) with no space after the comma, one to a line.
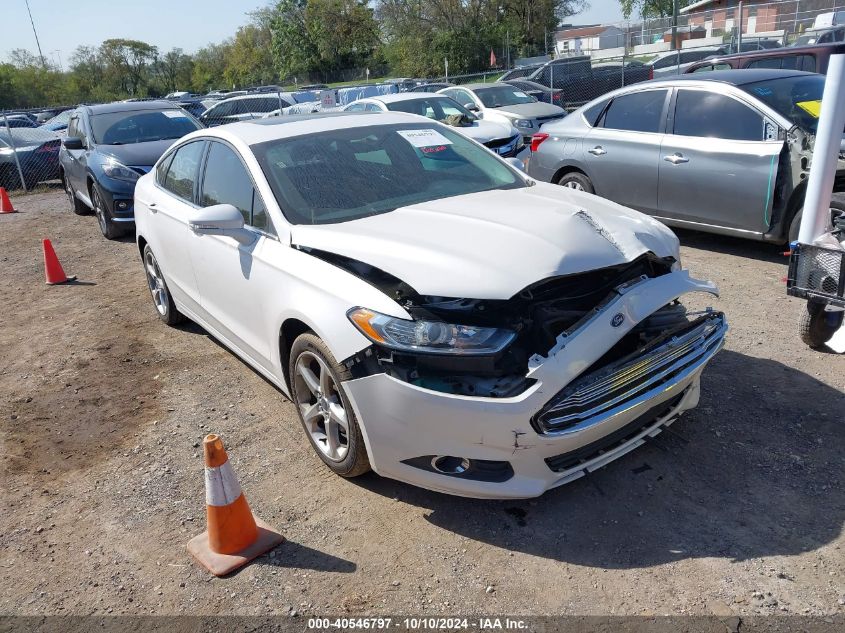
(519,446)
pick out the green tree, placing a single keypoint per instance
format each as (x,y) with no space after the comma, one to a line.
(210,67)
(649,8)
(250,60)
(294,51)
(174,70)
(126,65)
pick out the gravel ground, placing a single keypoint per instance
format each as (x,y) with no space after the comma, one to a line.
(102,410)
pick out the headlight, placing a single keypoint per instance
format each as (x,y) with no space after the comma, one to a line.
(116,170)
(524,123)
(433,337)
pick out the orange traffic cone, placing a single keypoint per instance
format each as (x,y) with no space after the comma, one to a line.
(53,270)
(5,203)
(234,536)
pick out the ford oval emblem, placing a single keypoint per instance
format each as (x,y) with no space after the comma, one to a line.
(617,319)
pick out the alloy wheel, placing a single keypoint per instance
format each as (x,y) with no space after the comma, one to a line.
(574,184)
(155,280)
(322,409)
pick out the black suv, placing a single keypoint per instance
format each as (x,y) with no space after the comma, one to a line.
(108,147)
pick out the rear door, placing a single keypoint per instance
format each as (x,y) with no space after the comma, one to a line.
(622,152)
(718,166)
(171,203)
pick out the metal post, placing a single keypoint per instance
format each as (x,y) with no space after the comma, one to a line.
(739,30)
(816,215)
(279,95)
(675,26)
(15,152)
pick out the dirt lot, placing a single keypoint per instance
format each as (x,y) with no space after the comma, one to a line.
(102,408)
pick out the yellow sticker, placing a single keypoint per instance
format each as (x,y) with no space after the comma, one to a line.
(813,108)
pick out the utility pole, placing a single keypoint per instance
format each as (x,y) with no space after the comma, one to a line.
(675,24)
(31,21)
(739,31)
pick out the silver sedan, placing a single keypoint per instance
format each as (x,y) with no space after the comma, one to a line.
(727,153)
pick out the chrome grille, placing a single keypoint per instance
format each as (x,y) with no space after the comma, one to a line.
(608,391)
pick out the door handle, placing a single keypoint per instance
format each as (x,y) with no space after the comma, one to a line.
(598,150)
(676,158)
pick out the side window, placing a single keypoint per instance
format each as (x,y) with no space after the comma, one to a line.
(226,181)
(700,113)
(593,113)
(356,107)
(636,112)
(182,173)
(163,166)
(73,127)
(773,62)
(463,97)
(372,107)
(807,63)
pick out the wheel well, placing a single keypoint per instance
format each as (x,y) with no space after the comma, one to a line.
(563,171)
(141,244)
(291,329)
(796,200)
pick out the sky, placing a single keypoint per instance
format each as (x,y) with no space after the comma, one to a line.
(187,24)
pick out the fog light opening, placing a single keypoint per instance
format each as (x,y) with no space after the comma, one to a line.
(450,465)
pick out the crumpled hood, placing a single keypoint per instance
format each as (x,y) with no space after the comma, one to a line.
(137,154)
(491,245)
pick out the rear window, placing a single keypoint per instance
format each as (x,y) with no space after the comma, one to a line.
(636,112)
(788,62)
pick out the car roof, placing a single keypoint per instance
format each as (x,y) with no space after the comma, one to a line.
(132,106)
(735,76)
(257,131)
(664,54)
(491,84)
(405,96)
(781,51)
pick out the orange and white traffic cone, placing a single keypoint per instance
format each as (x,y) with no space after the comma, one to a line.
(234,536)
(53,271)
(5,204)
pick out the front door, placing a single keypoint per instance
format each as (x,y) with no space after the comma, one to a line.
(233,277)
(719,165)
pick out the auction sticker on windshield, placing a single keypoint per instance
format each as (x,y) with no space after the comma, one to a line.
(174,114)
(813,108)
(424,138)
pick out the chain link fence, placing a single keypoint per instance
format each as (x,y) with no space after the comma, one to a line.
(584,63)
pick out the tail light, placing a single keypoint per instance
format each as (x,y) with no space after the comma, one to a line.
(651,72)
(536,139)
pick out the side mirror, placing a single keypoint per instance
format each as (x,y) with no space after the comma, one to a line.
(472,107)
(515,162)
(221,219)
(73,142)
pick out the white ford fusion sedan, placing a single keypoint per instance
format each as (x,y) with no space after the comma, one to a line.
(433,313)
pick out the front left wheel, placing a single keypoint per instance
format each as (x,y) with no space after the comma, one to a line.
(324,410)
(108,228)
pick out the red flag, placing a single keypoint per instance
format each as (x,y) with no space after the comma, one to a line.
(492,59)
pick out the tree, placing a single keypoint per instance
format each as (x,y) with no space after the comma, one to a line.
(293,49)
(174,70)
(126,65)
(210,66)
(250,60)
(649,8)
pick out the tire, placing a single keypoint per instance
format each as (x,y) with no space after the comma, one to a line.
(837,207)
(816,326)
(578,181)
(76,205)
(108,228)
(322,406)
(159,291)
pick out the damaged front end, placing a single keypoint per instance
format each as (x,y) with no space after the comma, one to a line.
(539,316)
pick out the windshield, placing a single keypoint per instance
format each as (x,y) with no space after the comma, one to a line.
(806,40)
(60,119)
(141,126)
(352,173)
(437,108)
(796,98)
(498,96)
